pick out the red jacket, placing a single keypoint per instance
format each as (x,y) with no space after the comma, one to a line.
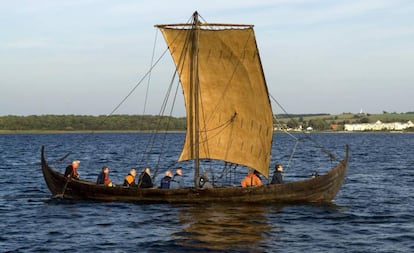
(251,180)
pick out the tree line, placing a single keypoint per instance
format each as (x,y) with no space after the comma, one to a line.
(111,123)
(92,123)
(168,123)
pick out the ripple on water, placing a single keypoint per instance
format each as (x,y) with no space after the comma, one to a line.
(372,212)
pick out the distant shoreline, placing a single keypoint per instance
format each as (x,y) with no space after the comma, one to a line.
(319,123)
(176,131)
(79,131)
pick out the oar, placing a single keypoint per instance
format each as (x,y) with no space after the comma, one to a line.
(61,159)
(64,189)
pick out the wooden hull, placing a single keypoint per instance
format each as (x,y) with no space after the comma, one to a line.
(320,189)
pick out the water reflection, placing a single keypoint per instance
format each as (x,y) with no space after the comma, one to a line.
(223,226)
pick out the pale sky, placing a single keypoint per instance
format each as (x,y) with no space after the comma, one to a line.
(85,56)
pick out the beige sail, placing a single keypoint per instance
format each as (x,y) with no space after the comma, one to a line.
(235,116)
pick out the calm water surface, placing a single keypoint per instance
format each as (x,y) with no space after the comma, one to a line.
(372,213)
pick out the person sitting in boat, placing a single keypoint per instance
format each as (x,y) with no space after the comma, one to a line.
(257,174)
(72,170)
(130,178)
(145,180)
(277,176)
(251,179)
(103,177)
(204,183)
(177,181)
(165,181)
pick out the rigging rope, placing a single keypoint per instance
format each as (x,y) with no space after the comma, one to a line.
(150,144)
(169,120)
(149,75)
(139,83)
(116,107)
(306,136)
(291,155)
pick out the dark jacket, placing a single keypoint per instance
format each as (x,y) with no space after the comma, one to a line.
(69,171)
(145,181)
(277,178)
(165,182)
(101,178)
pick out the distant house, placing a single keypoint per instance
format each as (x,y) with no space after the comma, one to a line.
(334,127)
(285,127)
(378,126)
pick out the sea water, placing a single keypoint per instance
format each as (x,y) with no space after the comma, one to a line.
(373,212)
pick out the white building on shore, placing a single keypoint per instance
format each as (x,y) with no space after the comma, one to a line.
(378,126)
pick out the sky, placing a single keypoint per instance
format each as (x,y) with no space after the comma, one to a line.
(319,56)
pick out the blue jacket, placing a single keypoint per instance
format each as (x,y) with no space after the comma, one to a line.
(101,178)
(177,182)
(165,182)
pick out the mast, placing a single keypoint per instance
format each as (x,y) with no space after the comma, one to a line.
(194,87)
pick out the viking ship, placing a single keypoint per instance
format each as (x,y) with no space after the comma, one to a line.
(229,118)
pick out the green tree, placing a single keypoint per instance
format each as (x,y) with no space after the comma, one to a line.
(292,123)
(318,124)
